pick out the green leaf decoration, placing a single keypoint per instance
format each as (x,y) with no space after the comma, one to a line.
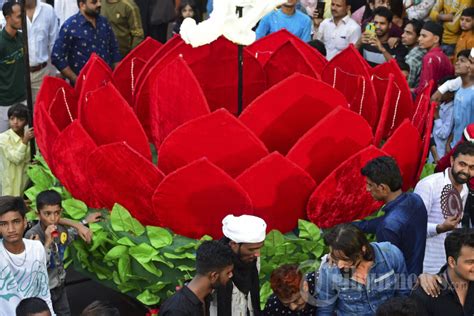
(116,253)
(159,237)
(75,209)
(148,298)
(185,255)
(143,253)
(40,176)
(265,292)
(124,268)
(126,242)
(308,230)
(150,267)
(122,221)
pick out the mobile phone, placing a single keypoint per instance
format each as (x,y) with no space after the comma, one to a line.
(320,7)
(370,29)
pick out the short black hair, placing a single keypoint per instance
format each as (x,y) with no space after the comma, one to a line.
(48,197)
(319,46)
(213,256)
(399,306)
(385,12)
(10,203)
(468,12)
(403,65)
(458,238)
(417,25)
(349,240)
(383,170)
(18,110)
(7,8)
(100,308)
(80,1)
(30,306)
(464,148)
(464,53)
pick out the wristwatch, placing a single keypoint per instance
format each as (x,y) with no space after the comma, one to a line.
(84,222)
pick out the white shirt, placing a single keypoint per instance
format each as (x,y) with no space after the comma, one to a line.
(42,32)
(429,189)
(337,37)
(65,9)
(450,85)
(23,275)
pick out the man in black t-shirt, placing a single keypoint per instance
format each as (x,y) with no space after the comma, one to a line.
(374,47)
(213,269)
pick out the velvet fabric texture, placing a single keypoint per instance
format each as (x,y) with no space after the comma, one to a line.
(105,105)
(349,73)
(342,197)
(126,73)
(280,117)
(46,133)
(70,157)
(119,174)
(331,142)
(193,200)
(285,61)
(63,109)
(279,197)
(405,147)
(49,89)
(219,137)
(422,107)
(426,138)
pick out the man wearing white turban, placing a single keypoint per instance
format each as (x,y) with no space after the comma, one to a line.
(245,235)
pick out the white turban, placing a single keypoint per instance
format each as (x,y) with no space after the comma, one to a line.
(244,229)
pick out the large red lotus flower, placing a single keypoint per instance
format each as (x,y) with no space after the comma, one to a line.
(307,128)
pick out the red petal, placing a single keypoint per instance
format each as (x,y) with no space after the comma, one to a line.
(280,118)
(169,104)
(336,137)
(342,196)
(285,61)
(263,48)
(405,147)
(46,132)
(219,136)
(193,200)
(279,191)
(63,108)
(49,88)
(426,138)
(119,174)
(348,72)
(69,153)
(108,118)
(127,71)
(422,105)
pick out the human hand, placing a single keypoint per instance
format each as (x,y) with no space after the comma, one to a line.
(28,135)
(374,41)
(94,217)
(430,284)
(449,224)
(48,235)
(446,17)
(436,97)
(393,42)
(85,233)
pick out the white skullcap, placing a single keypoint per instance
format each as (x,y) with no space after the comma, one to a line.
(244,229)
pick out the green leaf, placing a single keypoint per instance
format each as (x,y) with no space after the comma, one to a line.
(126,242)
(124,268)
(185,255)
(157,286)
(161,259)
(143,253)
(148,298)
(122,221)
(205,238)
(159,237)
(33,192)
(74,208)
(40,177)
(265,292)
(150,267)
(308,230)
(185,268)
(95,227)
(98,240)
(274,239)
(116,252)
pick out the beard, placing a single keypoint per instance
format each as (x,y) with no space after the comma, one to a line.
(460,177)
(92,13)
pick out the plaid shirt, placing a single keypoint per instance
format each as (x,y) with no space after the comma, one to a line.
(413,60)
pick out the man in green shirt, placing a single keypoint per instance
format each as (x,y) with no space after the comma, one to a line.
(124,16)
(12,66)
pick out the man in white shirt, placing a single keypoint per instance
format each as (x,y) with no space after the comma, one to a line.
(339,31)
(434,191)
(23,271)
(43,27)
(65,9)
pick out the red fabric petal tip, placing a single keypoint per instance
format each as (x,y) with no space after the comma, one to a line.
(107,118)
(422,107)
(336,137)
(69,153)
(193,200)
(349,73)
(279,191)
(285,61)
(46,133)
(426,138)
(280,118)
(63,108)
(342,197)
(169,104)
(127,71)
(219,136)
(119,174)
(49,88)
(405,147)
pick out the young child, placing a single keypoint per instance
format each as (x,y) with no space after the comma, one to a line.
(22,261)
(55,238)
(15,151)
(443,123)
(186,9)
(466,40)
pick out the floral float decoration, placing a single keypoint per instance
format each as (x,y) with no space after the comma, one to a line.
(294,154)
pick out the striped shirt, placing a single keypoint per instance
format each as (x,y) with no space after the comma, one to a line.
(429,189)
